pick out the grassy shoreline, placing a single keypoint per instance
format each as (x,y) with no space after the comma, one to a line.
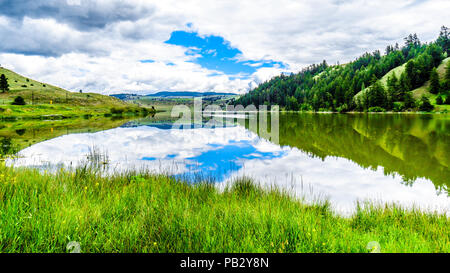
(143,212)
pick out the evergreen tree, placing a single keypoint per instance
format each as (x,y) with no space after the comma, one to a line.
(4,86)
(410,74)
(425,104)
(434,82)
(410,103)
(404,85)
(377,95)
(292,104)
(393,88)
(444,39)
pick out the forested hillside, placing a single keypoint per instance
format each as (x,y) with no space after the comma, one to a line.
(372,82)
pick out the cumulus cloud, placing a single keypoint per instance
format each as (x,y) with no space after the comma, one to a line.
(81,14)
(97,45)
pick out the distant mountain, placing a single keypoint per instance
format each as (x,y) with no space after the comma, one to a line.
(126,96)
(175,94)
(167,94)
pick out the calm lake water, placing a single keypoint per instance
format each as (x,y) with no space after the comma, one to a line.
(385,158)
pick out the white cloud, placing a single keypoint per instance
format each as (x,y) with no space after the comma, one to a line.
(96,45)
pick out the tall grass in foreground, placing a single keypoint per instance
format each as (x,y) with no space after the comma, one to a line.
(43,212)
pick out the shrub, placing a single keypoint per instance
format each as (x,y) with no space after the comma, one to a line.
(376,109)
(447,100)
(18,101)
(439,100)
(398,107)
(425,104)
(117,111)
(342,109)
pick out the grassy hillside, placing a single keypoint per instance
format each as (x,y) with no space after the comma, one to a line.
(418,92)
(423,90)
(44,99)
(398,71)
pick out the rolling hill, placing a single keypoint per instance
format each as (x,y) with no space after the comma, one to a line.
(43,99)
(361,85)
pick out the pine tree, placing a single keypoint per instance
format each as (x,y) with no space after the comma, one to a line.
(404,85)
(410,73)
(444,39)
(4,86)
(434,82)
(410,103)
(377,95)
(425,104)
(393,87)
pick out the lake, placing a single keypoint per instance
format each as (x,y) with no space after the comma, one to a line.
(394,158)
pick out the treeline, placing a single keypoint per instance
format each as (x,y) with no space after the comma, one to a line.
(357,86)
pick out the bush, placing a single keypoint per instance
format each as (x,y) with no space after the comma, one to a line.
(305,107)
(425,104)
(117,111)
(398,107)
(342,109)
(376,109)
(447,100)
(439,100)
(18,101)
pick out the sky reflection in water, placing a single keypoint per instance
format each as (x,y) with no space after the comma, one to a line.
(228,153)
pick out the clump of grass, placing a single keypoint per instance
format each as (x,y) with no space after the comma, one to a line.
(96,157)
(145,212)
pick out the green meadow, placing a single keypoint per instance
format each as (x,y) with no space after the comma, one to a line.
(145,212)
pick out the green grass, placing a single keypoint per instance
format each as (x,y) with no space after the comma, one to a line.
(44,99)
(398,72)
(42,212)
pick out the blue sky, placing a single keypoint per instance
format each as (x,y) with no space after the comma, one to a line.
(215,53)
(220,161)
